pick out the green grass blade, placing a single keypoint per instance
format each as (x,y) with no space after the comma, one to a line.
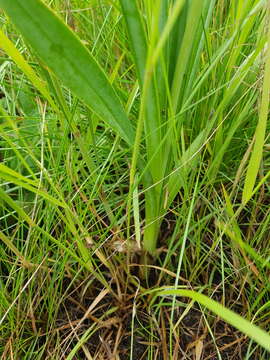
(16,178)
(5,170)
(136,34)
(136,211)
(188,161)
(193,20)
(168,26)
(256,156)
(11,246)
(13,204)
(16,56)
(149,116)
(253,331)
(68,58)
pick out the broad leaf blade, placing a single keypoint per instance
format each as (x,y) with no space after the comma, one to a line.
(69,59)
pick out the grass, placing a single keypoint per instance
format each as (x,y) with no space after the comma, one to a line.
(134,173)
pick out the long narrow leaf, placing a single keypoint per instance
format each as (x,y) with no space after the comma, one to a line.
(253,331)
(256,156)
(69,59)
(136,34)
(149,117)
(10,176)
(17,57)
(194,18)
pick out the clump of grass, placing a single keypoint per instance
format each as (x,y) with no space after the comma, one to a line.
(129,143)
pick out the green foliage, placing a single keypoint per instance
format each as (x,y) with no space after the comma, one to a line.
(64,54)
(261,337)
(126,132)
